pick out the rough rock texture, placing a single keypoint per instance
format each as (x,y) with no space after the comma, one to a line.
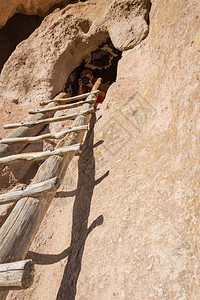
(133,232)
(29,7)
(40,65)
(127,22)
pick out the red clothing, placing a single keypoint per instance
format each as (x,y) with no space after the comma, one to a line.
(100,98)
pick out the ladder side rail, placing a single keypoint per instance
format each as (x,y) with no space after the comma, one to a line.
(19,229)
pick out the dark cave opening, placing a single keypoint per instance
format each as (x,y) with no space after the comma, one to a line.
(103,63)
(17,29)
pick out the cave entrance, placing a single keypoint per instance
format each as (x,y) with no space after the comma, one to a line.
(17,29)
(103,63)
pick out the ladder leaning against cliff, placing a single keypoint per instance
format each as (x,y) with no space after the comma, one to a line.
(16,234)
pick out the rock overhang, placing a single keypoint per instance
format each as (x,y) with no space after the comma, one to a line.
(40,66)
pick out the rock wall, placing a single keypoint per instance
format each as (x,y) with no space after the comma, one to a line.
(127,225)
(40,65)
(17,29)
(29,7)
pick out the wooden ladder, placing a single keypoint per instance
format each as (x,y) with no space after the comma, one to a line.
(19,229)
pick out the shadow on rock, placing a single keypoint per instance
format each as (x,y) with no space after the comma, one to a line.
(80,230)
(81,211)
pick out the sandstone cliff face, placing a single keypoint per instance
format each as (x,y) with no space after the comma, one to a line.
(40,66)
(127,225)
(29,7)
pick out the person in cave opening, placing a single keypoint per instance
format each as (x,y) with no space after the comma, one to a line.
(86,83)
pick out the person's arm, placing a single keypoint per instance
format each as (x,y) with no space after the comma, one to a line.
(80,87)
(101,96)
(102,93)
(90,85)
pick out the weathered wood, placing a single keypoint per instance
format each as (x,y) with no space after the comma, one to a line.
(32,190)
(63,107)
(70,99)
(19,229)
(6,149)
(47,136)
(16,275)
(35,156)
(50,120)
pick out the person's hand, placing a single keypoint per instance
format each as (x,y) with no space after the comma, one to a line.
(90,84)
(80,83)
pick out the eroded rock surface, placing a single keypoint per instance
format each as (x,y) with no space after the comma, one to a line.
(29,7)
(126,225)
(40,65)
(127,23)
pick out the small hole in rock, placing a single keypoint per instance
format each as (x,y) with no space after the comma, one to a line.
(85,26)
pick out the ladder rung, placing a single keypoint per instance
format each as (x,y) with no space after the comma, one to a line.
(50,120)
(31,190)
(34,156)
(47,136)
(65,100)
(62,107)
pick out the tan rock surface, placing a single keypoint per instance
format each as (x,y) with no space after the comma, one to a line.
(39,67)
(127,22)
(133,233)
(29,7)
